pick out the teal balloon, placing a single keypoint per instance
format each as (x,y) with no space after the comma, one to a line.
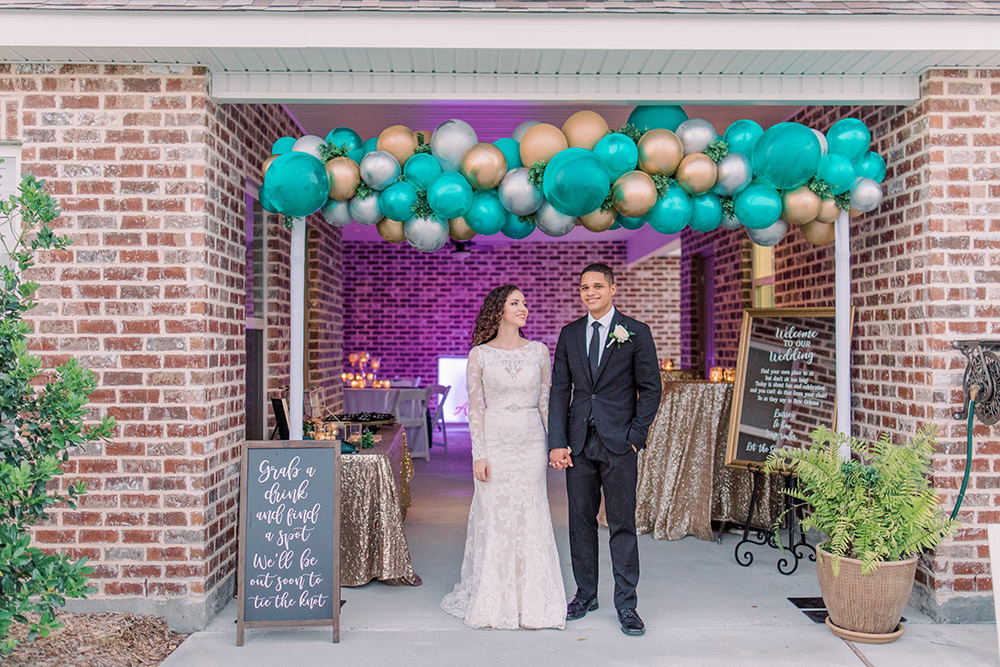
(618,153)
(515,228)
(850,137)
(297,184)
(672,212)
(487,215)
(742,136)
(871,165)
(511,149)
(264,197)
(706,215)
(450,195)
(837,172)
(629,223)
(397,200)
(421,170)
(655,116)
(344,137)
(618,225)
(282,145)
(786,156)
(576,182)
(758,206)
(370,145)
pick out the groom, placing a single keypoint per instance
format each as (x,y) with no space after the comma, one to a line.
(605,393)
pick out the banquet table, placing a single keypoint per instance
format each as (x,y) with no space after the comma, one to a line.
(375,494)
(369,399)
(683,482)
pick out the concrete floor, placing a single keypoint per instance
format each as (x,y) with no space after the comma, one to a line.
(699,606)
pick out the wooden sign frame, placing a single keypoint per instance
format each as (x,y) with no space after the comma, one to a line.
(749,315)
(334,621)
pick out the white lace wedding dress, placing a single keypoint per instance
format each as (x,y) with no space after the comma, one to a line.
(510,574)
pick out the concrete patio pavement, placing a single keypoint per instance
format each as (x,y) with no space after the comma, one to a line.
(700,608)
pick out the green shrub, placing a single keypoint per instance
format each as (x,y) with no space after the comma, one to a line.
(38,424)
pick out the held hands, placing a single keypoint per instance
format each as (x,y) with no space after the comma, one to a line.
(481,470)
(560,459)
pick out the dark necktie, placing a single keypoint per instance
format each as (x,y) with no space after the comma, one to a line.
(594,354)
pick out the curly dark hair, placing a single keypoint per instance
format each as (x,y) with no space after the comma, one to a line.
(488,319)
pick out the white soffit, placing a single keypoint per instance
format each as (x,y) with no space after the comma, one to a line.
(386,56)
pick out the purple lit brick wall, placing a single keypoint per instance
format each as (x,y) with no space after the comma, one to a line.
(409,308)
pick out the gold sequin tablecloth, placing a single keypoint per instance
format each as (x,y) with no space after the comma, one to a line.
(683,482)
(375,494)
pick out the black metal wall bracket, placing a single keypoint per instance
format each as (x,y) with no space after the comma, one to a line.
(983,370)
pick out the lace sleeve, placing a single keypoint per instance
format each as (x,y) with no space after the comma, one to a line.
(474,383)
(543,391)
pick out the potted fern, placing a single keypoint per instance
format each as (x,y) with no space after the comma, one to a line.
(878,512)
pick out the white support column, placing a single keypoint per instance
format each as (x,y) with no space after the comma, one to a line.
(842,259)
(296,381)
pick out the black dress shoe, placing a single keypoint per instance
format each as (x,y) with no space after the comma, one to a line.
(631,623)
(578,608)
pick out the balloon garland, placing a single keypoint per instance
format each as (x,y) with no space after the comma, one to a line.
(660,169)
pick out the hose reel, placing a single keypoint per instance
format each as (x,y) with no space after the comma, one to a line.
(981,383)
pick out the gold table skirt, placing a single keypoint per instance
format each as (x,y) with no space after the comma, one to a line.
(375,494)
(683,481)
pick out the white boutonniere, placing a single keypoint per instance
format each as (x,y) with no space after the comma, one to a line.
(619,335)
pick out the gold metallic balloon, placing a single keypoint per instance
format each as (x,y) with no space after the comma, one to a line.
(818,233)
(660,152)
(800,205)
(267,163)
(599,221)
(584,129)
(541,142)
(633,194)
(696,173)
(459,229)
(484,166)
(828,211)
(853,212)
(345,176)
(391,230)
(398,140)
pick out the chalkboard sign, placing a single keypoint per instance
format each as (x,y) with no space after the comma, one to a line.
(289,544)
(785,382)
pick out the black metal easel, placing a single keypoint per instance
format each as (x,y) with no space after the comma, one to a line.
(797,545)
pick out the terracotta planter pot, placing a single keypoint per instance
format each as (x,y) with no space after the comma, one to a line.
(865,603)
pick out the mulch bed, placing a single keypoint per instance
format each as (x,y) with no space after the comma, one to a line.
(97,640)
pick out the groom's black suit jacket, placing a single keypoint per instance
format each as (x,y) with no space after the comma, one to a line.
(623,397)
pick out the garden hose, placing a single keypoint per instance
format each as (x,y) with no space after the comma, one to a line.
(973,394)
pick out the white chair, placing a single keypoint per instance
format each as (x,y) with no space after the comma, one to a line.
(437,417)
(411,413)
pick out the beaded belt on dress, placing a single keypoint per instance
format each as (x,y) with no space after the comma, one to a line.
(514,408)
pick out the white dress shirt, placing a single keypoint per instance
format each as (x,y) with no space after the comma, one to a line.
(605,328)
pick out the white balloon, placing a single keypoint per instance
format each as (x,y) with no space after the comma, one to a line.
(731,222)
(552,222)
(735,173)
(769,236)
(524,127)
(517,194)
(822,140)
(309,144)
(366,211)
(696,134)
(379,169)
(337,213)
(866,194)
(451,141)
(426,234)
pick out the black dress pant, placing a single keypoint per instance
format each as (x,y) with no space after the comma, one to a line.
(593,468)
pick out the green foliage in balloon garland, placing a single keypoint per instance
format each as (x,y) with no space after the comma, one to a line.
(328,151)
(527,219)
(728,209)
(287,221)
(717,150)
(421,208)
(364,191)
(536,172)
(662,184)
(820,188)
(631,131)
(421,146)
(608,203)
(843,200)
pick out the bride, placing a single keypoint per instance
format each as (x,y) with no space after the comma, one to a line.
(510,574)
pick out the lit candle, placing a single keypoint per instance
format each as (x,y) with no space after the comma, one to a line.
(715,374)
(353,358)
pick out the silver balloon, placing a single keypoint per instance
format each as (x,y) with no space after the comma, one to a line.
(822,140)
(426,234)
(552,222)
(735,173)
(866,194)
(731,222)
(769,235)
(309,144)
(696,134)
(517,194)
(451,141)
(379,169)
(337,213)
(524,127)
(366,211)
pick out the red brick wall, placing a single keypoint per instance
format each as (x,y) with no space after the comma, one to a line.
(409,307)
